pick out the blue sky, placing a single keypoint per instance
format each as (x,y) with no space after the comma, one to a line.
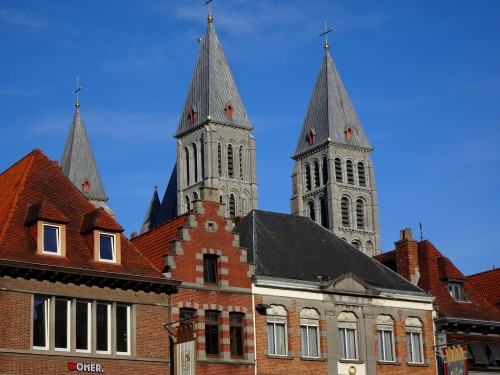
(424,77)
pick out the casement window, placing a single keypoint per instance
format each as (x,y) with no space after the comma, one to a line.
(414,340)
(361,174)
(230,161)
(51,239)
(212,332)
(309,332)
(186,156)
(360,214)
(236,334)
(210,271)
(338,170)
(345,211)
(107,247)
(186,313)
(277,331)
(195,162)
(308,177)
(323,212)
(325,170)
(385,336)
(348,335)
(456,290)
(316,174)
(63,324)
(350,172)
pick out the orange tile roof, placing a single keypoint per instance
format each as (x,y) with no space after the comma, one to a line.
(35,179)
(487,283)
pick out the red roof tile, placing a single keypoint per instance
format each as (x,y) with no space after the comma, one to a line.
(99,219)
(487,283)
(44,210)
(35,179)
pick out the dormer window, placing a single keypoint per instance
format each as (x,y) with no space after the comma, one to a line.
(348,133)
(311,135)
(456,290)
(51,239)
(107,247)
(86,186)
(229,111)
(192,115)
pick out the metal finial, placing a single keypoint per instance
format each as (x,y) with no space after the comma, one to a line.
(209,18)
(156,186)
(325,33)
(78,88)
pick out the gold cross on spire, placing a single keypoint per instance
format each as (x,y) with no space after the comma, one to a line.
(210,18)
(325,33)
(78,88)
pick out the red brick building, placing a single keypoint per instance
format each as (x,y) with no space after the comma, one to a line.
(463,315)
(200,248)
(75,295)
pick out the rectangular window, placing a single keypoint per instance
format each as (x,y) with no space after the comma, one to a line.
(276,338)
(107,247)
(61,324)
(236,334)
(385,345)
(82,323)
(347,337)
(210,268)
(103,327)
(40,323)
(309,337)
(212,332)
(456,291)
(123,329)
(414,347)
(51,239)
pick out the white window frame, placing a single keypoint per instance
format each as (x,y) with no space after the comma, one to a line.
(410,345)
(68,324)
(456,290)
(277,316)
(46,308)
(382,343)
(113,247)
(348,322)
(89,326)
(108,328)
(306,352)
(128,322)
(58,239)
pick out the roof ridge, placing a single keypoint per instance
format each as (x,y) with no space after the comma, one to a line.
(32,155)
(483,272)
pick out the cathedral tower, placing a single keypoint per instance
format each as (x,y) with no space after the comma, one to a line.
(333,177)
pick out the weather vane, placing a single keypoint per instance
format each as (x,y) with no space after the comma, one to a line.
(210,18)
(78,88)
(325,33)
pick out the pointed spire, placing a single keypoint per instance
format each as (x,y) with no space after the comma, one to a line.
(77,161)
(152,212)
(212,90)
(330,116)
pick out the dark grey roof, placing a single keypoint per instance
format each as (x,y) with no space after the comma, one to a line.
(168,208)
(152,213)
(330,112)
(294,247)
(212,89)
(78,162)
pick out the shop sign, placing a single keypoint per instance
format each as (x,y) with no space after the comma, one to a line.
(85,367)
(456,360)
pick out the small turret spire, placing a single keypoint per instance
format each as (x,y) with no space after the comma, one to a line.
(325,33)
(78,88)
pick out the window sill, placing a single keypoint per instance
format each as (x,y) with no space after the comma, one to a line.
(345,360)
(412,364)
(313,359)
(275,356)
(389,363)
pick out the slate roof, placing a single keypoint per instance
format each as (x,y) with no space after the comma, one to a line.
(212,88)
(78,162)
(487,283)
(168,208)
(435,270)
(151,213)
(34,188)
(294,247)
(330,112)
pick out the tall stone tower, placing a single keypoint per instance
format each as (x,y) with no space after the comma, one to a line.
(333,176)
(214,146)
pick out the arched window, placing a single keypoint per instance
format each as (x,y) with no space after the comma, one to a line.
(219,158)
(311,211)
(186,155)
(195,196)
(188,203)
(356,244)
(344,209)
(360,214)
(232,207)
(325,170)
(195,162)
(324,212)
(308,177)
(369,247)
(277,337)
(414,340)
(309,332)
(385,336)
(202,156)
(350,172)
(348,343)
(241,162)
(230,164)
(338,170)
(316,173)
(361,174)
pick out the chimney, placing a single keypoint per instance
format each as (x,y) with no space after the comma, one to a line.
(407,256)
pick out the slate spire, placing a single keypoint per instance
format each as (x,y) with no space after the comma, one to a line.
(212,92)
(330,115)
(152,212)
(79,165)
